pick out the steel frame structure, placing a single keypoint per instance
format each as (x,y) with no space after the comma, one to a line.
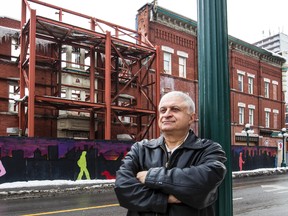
(137,55)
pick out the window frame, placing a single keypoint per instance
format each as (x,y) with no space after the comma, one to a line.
(167,62)
(240,82)
(183,72)
(250,85)
(241,114)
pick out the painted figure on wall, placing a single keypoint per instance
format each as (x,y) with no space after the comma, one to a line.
(108,175)
(82,163)
(2,169)
(241,161)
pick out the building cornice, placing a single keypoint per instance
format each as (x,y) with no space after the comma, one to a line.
(172,20)
(182,23)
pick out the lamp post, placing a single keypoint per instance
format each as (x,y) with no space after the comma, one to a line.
(283,134)
(247,130)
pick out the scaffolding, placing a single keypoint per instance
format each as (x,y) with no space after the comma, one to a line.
(105,72)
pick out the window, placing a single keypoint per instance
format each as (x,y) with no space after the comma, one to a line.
(167,63)
(15,50)
(76,57)
(182,67)
(266,89)
(75,94)
(240,82)
(275,89)
(251,116)
(241,115)
(14,94)
(167,59)
(275,118)
(267,119)
(250,85)
(182,63)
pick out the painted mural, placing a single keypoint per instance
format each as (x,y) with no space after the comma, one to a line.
(23,159)
(249,158)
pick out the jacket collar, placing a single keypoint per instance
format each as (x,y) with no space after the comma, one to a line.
(192,142)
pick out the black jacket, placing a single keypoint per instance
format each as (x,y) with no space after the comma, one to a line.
(192,174)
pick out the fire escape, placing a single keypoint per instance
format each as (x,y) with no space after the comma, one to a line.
(112,83)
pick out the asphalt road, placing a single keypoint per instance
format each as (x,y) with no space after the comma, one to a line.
(80,203)
(253,196)
(263,196)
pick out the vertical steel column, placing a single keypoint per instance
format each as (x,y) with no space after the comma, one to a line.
(22,79)
(157,87)
(31,87)
(214,89)
(108,86)
(92,93)
(92,85)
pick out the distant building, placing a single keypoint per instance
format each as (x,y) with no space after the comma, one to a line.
(278,43)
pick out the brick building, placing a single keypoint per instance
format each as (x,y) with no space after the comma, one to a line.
(255,81)
(255,74)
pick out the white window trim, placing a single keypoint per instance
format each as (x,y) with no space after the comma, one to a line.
(251,106)
(274,82)
(240,104)
(182,54)
(251,75)
(267,80)
(276,111)
(167,49)
(241,72)
(267,109)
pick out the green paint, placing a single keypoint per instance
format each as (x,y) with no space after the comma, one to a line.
(82,163)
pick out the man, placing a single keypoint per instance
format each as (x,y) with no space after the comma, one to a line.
(177,174)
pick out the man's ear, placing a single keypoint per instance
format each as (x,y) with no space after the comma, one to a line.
(192,117)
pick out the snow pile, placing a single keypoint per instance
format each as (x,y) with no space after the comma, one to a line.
(259,172)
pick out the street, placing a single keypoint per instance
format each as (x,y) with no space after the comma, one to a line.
(265,195)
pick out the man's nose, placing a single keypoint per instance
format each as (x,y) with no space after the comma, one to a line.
(167,113)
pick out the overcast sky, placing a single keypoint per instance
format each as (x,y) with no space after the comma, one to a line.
(248,20)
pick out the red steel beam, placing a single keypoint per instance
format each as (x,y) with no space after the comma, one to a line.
(92,93)
(21,107)
(31,87)
(108,86)
(157,87)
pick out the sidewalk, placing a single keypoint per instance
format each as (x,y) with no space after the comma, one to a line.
(15,190)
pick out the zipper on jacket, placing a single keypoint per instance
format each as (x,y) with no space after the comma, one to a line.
(171,160)
(166,156)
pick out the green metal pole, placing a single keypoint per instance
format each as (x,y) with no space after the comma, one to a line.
(214,88)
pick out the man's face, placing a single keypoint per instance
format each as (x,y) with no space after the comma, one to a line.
(174,115)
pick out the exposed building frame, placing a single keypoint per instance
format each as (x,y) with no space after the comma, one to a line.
(116,64)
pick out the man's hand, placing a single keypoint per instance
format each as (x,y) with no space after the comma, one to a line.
(173,199)
(141,176)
